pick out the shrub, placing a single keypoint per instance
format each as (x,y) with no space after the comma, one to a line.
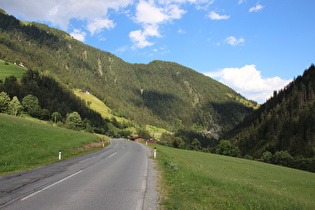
(266,157)
(226,148)
(282,158)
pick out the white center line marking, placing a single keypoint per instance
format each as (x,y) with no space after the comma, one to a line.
(45,188)
(112,155)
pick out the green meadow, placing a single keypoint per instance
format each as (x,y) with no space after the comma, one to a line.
(8,69)
(196,180)
(30,143)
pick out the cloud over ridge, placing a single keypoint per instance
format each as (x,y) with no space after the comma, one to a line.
(248,81)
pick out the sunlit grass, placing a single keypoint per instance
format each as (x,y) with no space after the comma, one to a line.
(8,69)
(196,180)
(28,143)
(97,105)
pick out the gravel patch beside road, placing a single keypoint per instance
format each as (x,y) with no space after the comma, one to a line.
(151,199)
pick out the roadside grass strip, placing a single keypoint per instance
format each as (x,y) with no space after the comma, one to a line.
(27,143)
(196,180)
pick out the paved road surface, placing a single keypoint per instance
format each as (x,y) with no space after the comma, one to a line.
(112,178)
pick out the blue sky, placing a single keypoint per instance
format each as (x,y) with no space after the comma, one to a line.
(253,46)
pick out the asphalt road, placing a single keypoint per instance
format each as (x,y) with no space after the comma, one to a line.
(113,178)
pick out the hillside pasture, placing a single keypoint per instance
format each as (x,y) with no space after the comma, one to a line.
(196,180)
(99,106)
(27,143)
(8,69)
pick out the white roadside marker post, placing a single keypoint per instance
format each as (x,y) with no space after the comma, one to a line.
(154,154)
(59,155)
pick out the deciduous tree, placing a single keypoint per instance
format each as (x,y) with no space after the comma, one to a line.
(4,102)
(31,105)
(56,117)
(15,106)
(226,148)
(74,121)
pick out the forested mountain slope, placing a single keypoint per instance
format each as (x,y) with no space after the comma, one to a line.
(160,93)
(285,122)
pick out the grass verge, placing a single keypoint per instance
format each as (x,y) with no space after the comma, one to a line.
(27,143)
(196,180)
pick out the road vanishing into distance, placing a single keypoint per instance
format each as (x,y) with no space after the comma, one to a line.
(115,177)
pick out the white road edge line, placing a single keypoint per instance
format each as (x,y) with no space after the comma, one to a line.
(112,155)
(45,188)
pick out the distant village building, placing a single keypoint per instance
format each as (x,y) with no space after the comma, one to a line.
(21,64)
(137,139)
(141,139)
(84,91)
(152,141)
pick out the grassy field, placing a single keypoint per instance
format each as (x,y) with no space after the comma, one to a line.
(27,143)
(196,180)
(97,105)
(10,69)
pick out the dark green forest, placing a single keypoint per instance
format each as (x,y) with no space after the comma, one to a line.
(164,94)
(286,122)
(52,97)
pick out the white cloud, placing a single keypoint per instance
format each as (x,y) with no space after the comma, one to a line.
(147,12)
(181,31)
(139,39)
(98,24)
(59,12)
(241,1)
(215,16)
(151,16)
(248,81)
(197,2)
(151,30)
(78,34)
(231,40)
(256,8)
(122,49)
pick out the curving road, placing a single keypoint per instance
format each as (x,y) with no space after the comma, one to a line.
(113,178)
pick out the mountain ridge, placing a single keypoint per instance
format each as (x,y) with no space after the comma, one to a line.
(165,94)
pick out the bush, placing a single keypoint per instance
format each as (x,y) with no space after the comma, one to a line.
(178,143)
(282,158)
(60,124)
(44,114)
(248,157)
(226,148)
(266,157)
(195,144)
